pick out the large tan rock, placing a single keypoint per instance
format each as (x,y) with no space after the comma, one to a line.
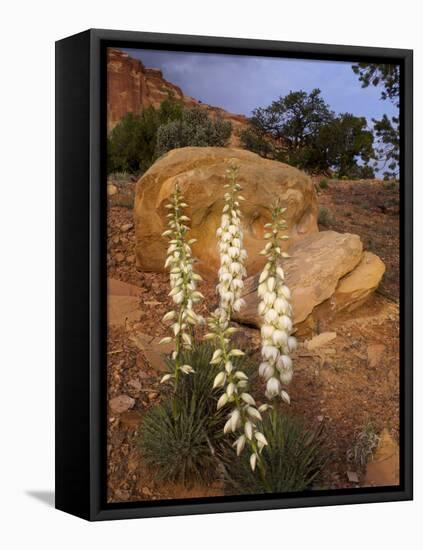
(312,273)
(383,470)
(201,173)
(355,288)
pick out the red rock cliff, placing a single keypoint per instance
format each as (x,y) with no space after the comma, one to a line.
(131,87)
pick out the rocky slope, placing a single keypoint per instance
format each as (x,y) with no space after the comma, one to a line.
(343,382)
(131,87)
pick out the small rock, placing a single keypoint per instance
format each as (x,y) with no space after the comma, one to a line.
(134,383)
(352,477)
(126,227)
(121,495)
(119,288)
(121,403)
(141,340)
(111,189)
(130,420)
(119,257)
(130,259)
(147,491)
(320,418)
(133,465)
(152,303)
(320,340)
(152,396)
(116,240)
(122,310)
(153,351)
(375,354)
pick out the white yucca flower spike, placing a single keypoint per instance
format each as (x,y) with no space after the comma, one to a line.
(183,282)
(275,310)
(230,245)
(242,412)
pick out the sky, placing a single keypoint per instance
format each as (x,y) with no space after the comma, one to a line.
(241,83)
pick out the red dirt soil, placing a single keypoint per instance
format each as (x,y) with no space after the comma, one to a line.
(337,385)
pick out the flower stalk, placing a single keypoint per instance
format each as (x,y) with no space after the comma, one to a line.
(244,414)
(183,281)
(275,309)
(230,245)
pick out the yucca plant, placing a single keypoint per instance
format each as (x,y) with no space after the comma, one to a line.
(198,390)
(292,460)
(177,450)
(186,448)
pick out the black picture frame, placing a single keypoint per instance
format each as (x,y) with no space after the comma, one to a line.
(81,291)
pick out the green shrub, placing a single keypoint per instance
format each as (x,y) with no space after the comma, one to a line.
(257,142)
(184,449)
(139,139)
(292,461)
(131,145)
(365,443)
(196,389)
(390,185)
(325,216)
(194,129)
(177,450)
(305,132)
(324,184)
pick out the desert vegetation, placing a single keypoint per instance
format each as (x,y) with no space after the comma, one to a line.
(253,338)
(139,139)
(301,130)
(183,437)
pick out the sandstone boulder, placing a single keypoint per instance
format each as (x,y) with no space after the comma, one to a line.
(312,273)
(201,173)
(383,470)
(354,288)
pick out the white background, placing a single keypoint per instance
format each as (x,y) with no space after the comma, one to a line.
(28,32)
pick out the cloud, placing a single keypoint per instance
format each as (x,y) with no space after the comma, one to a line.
(241,83)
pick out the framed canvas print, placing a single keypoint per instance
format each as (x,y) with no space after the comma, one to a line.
(233,274)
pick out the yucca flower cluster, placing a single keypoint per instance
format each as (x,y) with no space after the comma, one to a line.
(183,281)
(230,245)
(244,414)
(275,309)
